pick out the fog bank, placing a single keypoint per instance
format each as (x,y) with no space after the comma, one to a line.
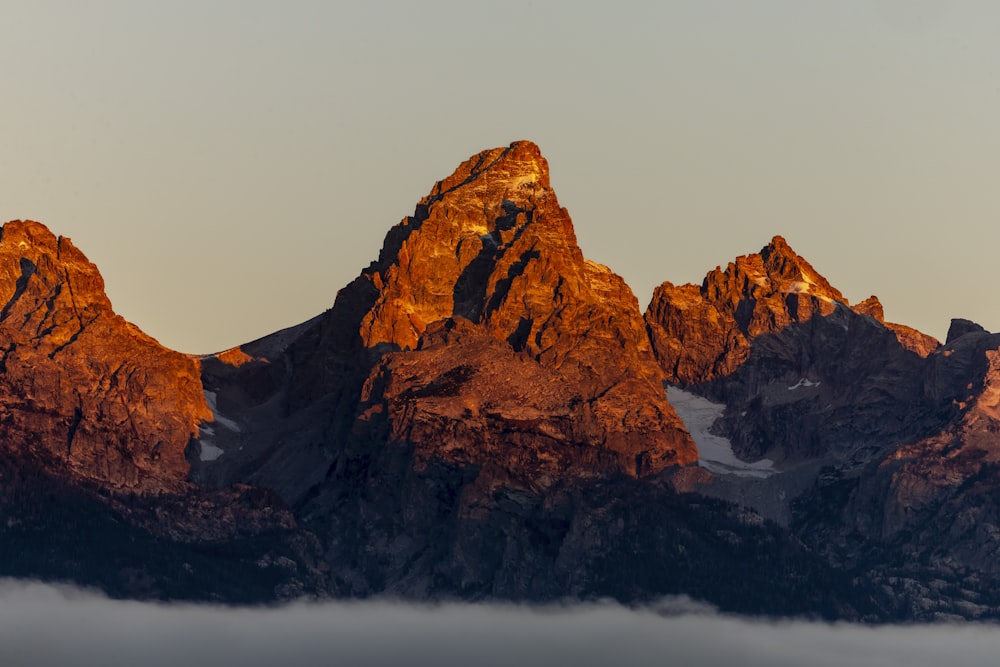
(58,625)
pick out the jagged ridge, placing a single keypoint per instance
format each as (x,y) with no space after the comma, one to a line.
(481,414)
(704,332)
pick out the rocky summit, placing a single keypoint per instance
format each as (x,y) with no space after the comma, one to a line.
(80,385)
(488,268)
(704,332)
(483,413)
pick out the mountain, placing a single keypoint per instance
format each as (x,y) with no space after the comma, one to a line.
(879,441)
(480,415)
(483,413)
(95,420)
(704,332)
(482,319)
(806,377)
(82,386)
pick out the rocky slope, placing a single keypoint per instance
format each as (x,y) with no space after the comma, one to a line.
(926,510)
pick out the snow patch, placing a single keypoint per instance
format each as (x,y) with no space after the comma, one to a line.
(211,398)
(803,383)
(798,287)
(805,286)
(758,278)
(715,452)
(209,452)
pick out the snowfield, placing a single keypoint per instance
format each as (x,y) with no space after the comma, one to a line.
(209,451)
(715,452)
(211,399)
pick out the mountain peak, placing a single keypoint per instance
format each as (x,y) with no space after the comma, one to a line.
(788,271)
(700,333)
(74,372)
(871,307)
(27,232)
(491,244)
(960,327)
(28,247)
(467,242)
(489,260)
(786,286)
(496,172)
(777,244)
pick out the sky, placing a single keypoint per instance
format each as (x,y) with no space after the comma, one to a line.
(93,631)
(229,165)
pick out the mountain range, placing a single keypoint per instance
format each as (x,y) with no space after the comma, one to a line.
(483,413)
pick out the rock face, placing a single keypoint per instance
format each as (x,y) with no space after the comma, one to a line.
(927,509)
(805,376)
(79,382)
(702,333)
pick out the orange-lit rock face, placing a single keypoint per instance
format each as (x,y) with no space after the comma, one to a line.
(496,248)
(236,357)
(491,245)
(469,234)
(81,384)
(701,333)
(467,397)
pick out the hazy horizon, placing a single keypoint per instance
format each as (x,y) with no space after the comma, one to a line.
(230,165)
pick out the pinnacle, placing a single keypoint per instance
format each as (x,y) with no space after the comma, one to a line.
(872,307)
(779,247)
(779,257)
(783,264)
(503,169)
(960,327)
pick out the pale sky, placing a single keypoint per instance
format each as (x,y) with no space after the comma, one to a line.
(229,165)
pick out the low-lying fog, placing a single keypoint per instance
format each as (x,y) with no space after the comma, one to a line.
(58,625)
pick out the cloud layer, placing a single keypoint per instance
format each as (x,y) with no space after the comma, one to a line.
(55,625)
